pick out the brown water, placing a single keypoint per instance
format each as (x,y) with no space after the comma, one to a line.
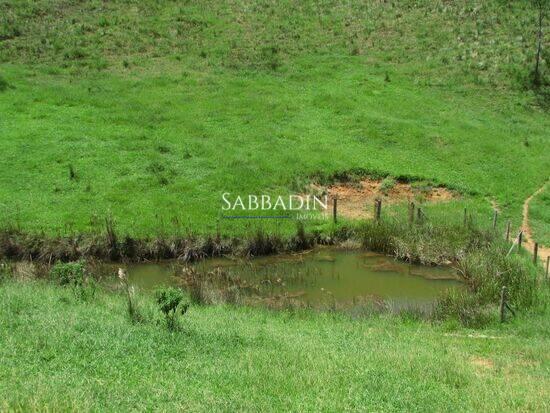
(319,276)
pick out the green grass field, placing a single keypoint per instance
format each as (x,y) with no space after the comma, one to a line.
(58,353)
(156,124)
(147,111)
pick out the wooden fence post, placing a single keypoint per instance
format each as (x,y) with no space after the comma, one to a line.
(335,210)
(535,253)
(379,209)
(495,217)
(547,265)
(420,215)
(508,231)
(411,212)
(520,239)
(502,304)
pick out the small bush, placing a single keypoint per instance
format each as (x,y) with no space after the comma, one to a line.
(70,273)
(387,184)
(73,274)
(170,303)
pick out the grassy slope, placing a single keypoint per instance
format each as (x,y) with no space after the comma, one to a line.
(158,121)
(59,353)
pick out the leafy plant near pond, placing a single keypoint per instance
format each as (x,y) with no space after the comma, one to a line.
(68,273)
(170,302)
(73,275)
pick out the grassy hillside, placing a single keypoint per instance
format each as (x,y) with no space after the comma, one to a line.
(63,354)
(156,108)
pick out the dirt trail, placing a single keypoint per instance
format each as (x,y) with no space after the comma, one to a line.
(544,251)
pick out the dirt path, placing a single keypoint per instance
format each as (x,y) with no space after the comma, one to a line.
(544,251)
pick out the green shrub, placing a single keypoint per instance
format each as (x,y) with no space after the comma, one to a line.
(70,273)
(170,303)
(73,274)
(387,184)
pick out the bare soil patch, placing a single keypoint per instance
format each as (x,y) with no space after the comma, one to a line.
(482,364)
(356,199)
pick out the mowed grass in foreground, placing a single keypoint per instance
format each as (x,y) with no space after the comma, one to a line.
(156,152)
(60,353)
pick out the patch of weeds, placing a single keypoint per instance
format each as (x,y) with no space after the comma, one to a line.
(387,184)
(464,307)
(73,275)
(5,271)
(422,187)
(72,173)
(70,273)
(485,271)
(3,84)
(270,56)
(163,174)
(170,303)
(155,167)
(163,149)
(74,54)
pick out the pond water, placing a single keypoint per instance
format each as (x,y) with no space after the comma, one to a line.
(320,276)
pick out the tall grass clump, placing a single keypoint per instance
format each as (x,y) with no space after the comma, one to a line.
(485,271)
(424,242)
(129,291)
(488,269)
(215,286)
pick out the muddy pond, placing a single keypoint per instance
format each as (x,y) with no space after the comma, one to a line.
(321,277)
